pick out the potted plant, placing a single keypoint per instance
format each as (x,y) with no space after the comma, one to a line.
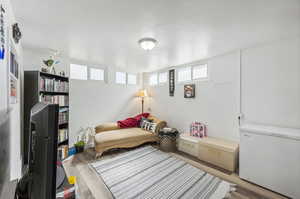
(79,146)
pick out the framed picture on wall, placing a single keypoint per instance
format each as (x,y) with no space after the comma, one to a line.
(13,65)
(189,91)
(13,90)
(171,82)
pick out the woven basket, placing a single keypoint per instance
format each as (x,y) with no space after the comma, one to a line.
(168,144)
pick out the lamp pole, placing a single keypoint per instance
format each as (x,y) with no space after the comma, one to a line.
(142,104)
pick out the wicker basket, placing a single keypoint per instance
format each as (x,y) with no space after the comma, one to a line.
(168,144)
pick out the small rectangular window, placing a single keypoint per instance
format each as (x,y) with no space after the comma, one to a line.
(96,74)
(120,78)
(163,77)
(200,72)
(78,72)
(184,74)
(131,79)
(153,79)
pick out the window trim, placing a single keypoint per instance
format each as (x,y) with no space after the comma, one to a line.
(136,79)
(101,80)
(162,83)
(86,70)
(201,78)
(185,81)
(155,73)
(125,78)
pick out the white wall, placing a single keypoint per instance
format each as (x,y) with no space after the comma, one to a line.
(33,59)
(271,83)
(216,103)
(13,110)
(91,102)
(261,82)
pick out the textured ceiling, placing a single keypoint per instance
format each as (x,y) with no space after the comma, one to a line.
(106,31)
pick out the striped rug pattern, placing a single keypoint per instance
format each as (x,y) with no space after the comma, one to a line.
(150,173)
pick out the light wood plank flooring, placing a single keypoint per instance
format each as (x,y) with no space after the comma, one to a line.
(92,187)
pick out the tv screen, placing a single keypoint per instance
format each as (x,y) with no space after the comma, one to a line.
(43,150)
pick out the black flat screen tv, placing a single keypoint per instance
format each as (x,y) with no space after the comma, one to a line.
(43,151)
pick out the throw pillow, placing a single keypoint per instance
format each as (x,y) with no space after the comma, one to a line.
(142,120)
(149,126)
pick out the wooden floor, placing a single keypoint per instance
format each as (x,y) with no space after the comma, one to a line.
(91,186)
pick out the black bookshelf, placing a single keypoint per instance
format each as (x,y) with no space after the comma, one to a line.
(53,93)
(35,90)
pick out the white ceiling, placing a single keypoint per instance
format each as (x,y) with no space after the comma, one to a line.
(107,31)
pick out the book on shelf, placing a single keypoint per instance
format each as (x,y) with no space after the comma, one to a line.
(63,151)
(53,85)
(63,117)
(62,135)
(61,100)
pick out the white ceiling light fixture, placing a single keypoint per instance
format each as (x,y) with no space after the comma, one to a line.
(147,43)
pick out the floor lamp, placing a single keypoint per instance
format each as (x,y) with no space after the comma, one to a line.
(142,94)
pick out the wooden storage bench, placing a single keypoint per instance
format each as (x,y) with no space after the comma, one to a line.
(219,152)
(188,144)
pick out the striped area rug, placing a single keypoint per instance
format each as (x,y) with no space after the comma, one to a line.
(150,173)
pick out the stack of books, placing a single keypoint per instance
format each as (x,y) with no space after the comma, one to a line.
(63,151)
(63,117)
(62,135)
(53,85)
(55,99)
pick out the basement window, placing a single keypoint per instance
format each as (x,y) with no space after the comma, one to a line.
(153,79)
(184,74)
(78,72)
(131,79)
(200,72)
(163,77)
(96,74)
(120,78)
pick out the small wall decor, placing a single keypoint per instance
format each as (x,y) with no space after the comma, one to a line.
(14,66)
(171,82)
(189,91)
(16,33)
(62,73)
(13,90)
(2,33)
(50,63)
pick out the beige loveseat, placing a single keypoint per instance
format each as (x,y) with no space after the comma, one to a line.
(110,136)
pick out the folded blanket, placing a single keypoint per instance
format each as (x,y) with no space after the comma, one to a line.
(132,121)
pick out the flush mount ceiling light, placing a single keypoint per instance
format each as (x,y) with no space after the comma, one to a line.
(147,43)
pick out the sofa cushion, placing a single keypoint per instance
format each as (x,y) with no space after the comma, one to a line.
(119,136)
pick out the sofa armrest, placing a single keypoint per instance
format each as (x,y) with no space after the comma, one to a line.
(106,127)
(161,124)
